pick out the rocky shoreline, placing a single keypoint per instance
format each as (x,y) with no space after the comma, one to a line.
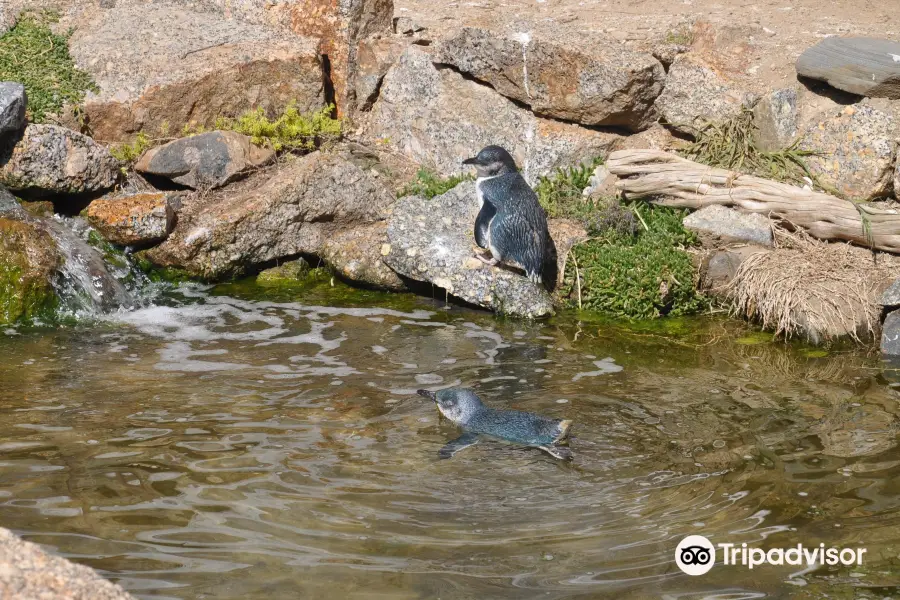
(175,81)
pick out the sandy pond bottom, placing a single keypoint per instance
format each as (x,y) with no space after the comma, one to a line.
(228,447)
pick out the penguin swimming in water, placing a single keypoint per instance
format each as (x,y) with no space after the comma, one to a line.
(511,222)
(466,410)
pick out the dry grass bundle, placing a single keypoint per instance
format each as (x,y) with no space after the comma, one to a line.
(807,288)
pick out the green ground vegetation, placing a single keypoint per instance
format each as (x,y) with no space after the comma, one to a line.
(429,184)
(634,265)
(33,55)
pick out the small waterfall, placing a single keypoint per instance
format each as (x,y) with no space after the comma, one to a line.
(93,280)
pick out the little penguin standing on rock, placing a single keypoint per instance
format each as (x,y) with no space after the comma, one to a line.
(511,223)
(466,410)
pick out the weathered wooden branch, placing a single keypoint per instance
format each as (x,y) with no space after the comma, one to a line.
(674,181)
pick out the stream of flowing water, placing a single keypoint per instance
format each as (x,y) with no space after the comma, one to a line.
(246,442)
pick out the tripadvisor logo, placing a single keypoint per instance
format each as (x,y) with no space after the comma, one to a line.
(696,555)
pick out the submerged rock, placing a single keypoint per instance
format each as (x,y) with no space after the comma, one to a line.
(12,107)
(590,80)
(293,209)
(29,573)
(28,264)
(854,151)
(138,219)
(695,95)
(291,271)
(204,161)
(859,65)
(161,67)
(431,241)
(437,117)
(54,160)
(717,225)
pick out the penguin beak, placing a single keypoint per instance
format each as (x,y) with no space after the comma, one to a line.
(426,394)
(471,161)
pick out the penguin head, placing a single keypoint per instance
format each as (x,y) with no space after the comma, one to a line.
(492,161)
(457,404)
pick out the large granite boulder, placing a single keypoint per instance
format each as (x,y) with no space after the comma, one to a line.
(204,161)
(437,117)
(293,209)
(587,79)
(12,107)
(49,159)
(855,150)
(134,220)
(356,255)
(777,120)
(431,241)
(159,67)
(859,65)
(29,573)
(696,94)
(374,57)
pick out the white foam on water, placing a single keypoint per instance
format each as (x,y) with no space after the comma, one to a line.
(605,366)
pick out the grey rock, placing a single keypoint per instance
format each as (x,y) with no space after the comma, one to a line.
(585,79)
(135,219)
(373,59)
(292,209)
(29,573)
(159,66)
(859,65)
(9,206)
(695,95)
(890,334)
(54,160)
(438,118)
(855,150)
(204,161)
(12,107)
(431,241)
(891,296)
(718,224)
(777,120)
(406,26)
(356,254)
(719,267)
(601,183)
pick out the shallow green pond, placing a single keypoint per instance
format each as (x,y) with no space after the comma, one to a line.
(267,443)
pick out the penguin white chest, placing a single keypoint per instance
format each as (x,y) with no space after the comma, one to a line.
(478,191)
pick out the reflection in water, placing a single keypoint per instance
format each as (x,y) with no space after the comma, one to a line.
(228,448)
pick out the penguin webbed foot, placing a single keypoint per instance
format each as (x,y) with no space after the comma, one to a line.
(491,262)
(557,451)
(460,443)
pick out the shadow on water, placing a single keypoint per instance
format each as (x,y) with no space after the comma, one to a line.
(241,442)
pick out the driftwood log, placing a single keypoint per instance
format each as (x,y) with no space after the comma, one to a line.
(670,180)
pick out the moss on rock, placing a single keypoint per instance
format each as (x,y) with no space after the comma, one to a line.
(289,272)
(27,265)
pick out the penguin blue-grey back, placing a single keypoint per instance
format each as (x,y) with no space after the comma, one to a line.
(511,222)
(465,409)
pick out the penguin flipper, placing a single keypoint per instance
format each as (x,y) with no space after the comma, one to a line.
(483,223)
(557,451)
(460,443)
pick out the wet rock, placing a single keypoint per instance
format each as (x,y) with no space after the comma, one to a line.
(437,117)
(373,59)
(357,255)
(135,220)
(290,210)
(204,161)
(890,334)
(695,94)
(855,151)
(12,107)
(289,272)
(340,25)
(28,263)
(9,206)
(718,268)
(54,160)
(431,241)
(776,118)
(588,79)
(29,573)
(864,66)
(160,67)
(717,225)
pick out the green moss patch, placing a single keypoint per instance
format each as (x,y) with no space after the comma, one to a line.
(429,184)
(26,266)
(33,55)
(290,131)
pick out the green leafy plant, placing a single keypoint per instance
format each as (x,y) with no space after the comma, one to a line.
(429,184)
(128,153)
(290,131)
(561,193)
(33,55)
